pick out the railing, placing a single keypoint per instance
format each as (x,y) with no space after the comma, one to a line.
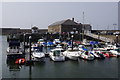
(100,37)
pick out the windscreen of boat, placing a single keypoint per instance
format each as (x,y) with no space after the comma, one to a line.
(100,46)
(41,40)
(38,50)
(56,53)
(88,47)
(62,50)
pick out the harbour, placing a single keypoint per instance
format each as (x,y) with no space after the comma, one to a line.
(67,69)
(60,40)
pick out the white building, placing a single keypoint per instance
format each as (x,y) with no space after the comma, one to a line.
(34,29)
(87,28)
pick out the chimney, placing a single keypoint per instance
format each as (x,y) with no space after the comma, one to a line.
(73,19)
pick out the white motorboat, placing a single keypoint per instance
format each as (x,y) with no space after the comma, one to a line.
(14,50)
(38,54)
(56,41)
(87,55)
(110,47)
(115,52)
(57,54)
(97,54)
(72,54)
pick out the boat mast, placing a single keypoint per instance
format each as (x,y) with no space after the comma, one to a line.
(83,27)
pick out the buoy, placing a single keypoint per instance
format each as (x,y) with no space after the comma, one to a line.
(20,61)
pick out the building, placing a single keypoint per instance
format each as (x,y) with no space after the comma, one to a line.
(65,26)
(87,28)
(34,29)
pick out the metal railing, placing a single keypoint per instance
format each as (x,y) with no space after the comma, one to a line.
(100,37)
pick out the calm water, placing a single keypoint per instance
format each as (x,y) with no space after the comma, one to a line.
(107,68)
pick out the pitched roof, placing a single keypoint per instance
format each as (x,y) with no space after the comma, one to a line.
(58,22)
(34,27)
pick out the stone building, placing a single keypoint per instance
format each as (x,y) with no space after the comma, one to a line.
(65,26)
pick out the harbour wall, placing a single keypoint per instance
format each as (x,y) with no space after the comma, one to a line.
(7,31)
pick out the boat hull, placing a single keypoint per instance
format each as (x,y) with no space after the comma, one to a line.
(57,58)
(38,56)
(72,57)
(15,56)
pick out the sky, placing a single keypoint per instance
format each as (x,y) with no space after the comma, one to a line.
(101,15)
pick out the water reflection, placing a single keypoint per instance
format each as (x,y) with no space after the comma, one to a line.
(50,69)
(12,66)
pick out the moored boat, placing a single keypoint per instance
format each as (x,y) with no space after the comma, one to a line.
(72,54)
(14,51)
(57,54)
(38,54)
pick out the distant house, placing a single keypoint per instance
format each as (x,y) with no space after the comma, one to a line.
(65,26)
(87,28)
(34,29)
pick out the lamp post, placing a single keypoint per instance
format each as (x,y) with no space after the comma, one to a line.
(46,35)
(98,35)
(72,38)
(116,39)
(72,41)
(30,47)
(74,30)
(24,43)
(81,36)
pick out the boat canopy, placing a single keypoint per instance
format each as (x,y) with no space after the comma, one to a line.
(44,43)
(56,53)
(92,42)
(69,42)
(84,48)
(50,43)
(14,43)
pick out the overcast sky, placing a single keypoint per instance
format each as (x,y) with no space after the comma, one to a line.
(101,15)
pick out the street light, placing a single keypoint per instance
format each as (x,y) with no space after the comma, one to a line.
(30,47)
(116,39)
(98,35)
(81,36)
(72,38)
(24,43)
